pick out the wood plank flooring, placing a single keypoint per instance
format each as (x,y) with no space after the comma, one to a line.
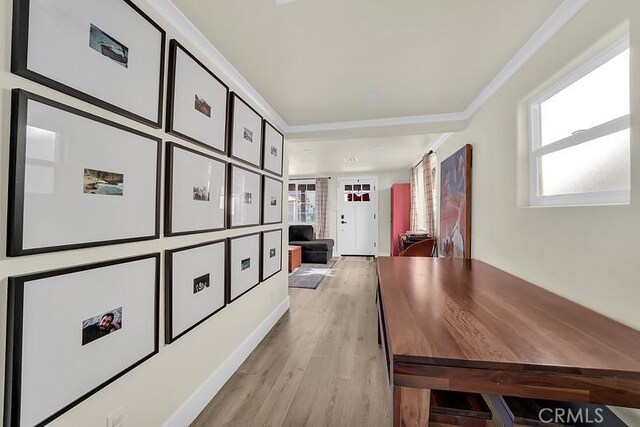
(319,366)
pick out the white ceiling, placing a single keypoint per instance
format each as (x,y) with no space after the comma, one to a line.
(324,61)
(316,157)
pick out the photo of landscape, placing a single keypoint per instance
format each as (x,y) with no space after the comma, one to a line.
(202,106)
(248,135)
(245,263)
(201,193)
(108,46)
(104,183)
(200,283)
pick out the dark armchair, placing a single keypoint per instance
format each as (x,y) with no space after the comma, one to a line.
(316,251)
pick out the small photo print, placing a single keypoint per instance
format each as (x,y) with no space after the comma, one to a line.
(201,283)
(245,263)
(272,252)
(248,135)
(202,106)
(103,324)
(201,193)
(274,150)
(247,198)
(274,201)
(108,46)
(103,182)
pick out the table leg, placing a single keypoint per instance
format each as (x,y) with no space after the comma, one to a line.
(411,407)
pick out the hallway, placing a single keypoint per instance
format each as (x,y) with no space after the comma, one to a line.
(319,366)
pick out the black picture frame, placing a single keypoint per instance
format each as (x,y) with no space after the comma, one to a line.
(265,125)
(262,251)
(229,284)
(233,102)
(174,45)
(14,342)
(17,169)
(168,290)
(264,200)
(168,207)
(19,65)
(230,197)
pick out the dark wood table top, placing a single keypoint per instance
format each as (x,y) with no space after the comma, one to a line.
(465,313)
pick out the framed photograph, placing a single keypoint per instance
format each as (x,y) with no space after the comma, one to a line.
(271,200)
(197,101)
(245,132)
(195,282)
(78,180)
(271,253)
(243,265)
(109,54)
(272,149)
(71,332)
(455,211)
(245,197)
(196,187)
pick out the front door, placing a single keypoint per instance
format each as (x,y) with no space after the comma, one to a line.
(357,216)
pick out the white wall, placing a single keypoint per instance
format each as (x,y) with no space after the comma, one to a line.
(385,180)
(587,254)
(155,390)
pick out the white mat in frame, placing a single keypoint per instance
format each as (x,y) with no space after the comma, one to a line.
(243,265)
(75,330)
(195,283)
(196,184)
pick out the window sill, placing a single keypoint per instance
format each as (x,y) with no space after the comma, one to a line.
(604,198)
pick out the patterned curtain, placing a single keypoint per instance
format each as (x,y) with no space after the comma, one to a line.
(413,218)
(322,193)
(428,194)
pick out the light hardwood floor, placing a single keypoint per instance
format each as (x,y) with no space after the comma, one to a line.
(319,366)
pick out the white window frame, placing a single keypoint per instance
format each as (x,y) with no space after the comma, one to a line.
(604,129)
(296,182)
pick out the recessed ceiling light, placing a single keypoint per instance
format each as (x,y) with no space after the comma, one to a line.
(377,147)
(281,2)
(307,150)
(350,159)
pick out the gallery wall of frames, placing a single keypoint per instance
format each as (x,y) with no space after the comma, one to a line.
(78,180)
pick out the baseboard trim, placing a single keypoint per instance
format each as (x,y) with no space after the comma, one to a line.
(386,253)
(190,409)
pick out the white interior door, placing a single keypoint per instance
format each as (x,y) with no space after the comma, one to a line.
(357,216)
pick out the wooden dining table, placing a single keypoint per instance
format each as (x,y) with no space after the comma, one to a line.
(463,325)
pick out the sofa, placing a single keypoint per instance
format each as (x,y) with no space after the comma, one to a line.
(315,251)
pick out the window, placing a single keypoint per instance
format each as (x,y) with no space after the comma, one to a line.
(580,140)
(422,208)
(357,192)
(302,202)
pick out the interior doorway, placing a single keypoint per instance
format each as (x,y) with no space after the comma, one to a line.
(357,216)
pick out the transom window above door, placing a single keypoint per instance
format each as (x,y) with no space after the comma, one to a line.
(357,192)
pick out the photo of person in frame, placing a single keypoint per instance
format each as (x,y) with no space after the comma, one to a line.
(99,326)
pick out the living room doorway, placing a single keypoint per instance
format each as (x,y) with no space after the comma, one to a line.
(357,216)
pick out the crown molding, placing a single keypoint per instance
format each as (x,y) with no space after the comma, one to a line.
(392,121)
(558,19)
(192,35)
(440,141)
